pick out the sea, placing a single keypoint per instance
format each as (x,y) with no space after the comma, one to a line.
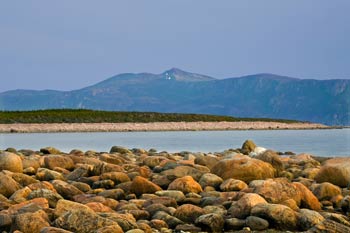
(325,142)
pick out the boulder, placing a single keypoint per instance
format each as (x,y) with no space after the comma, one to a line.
(141,185)
(41,203)
(52,161)
(272,158)
(188,213)
(248,146)
(177,195)
(116,177)
(185,184)
(45,174)
(83,220)
(50,196)
(279,216)
(66,190)
(8,185)
(241,208)
(233,185)
(335,171)
(234,224)
(32,222)
(11,162)
(308,219)
(20,195)
(170,220)
(243,168)
(256,223)
(120,149)
(308,199)
(276,190)
(181,171)
(326,191)
(23,179)
(50,150)
(211,222)
(209,179)
(53,230)
(208,161)
(153,161)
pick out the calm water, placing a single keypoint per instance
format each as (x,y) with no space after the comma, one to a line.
(334,142)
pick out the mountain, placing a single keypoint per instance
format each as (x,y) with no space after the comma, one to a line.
(260,95)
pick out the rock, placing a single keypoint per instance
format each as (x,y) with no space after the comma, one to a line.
(234,224)
(153,161)
(185,184)
(11,162)
(158,224)
(112,158)
(217,209)
(209,179)
(248,146)
(116,194)
(308,199)
(181,171)
(233,185)
(120,149)
(66,190)
(40,203)
(330,226)
(208,161)
(345,204)
(256,223)
(211,222)
(187,228)
(308,218)
(188,213)
(32,222)
(310,173)
(241,208)
(83,220)
(5,221)
(335,171)
(81,186)
(98,207)
(276,190)
(52,161)
(8,185)
(272,158)
(64,206)
(326,191)
(125,221)
(171,221)
(243,168)
(79,172)
(141,185)
(50,196)
(20,195)
(45,174)
(116,177)
(177,195)
(154,208)
(279,216)
(103,184)
(23,179)
(50,150)
(53,230)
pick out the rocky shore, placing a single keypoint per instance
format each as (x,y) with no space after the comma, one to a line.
(134,190)
(155,126)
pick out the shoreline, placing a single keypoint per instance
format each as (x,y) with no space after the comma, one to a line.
(155,126)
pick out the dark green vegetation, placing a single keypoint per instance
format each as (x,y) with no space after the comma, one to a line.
(257,96)
(90,116)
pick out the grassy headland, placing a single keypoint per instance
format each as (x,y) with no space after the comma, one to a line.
(92,116)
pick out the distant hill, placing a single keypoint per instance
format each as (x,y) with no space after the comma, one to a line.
(256,96)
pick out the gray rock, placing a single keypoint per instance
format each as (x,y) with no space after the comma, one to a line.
(256,223)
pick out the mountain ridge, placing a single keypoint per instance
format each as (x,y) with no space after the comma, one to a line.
(260,95)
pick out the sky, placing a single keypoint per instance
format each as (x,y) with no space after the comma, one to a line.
(66,45)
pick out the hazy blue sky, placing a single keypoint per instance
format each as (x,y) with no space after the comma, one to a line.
(70,44)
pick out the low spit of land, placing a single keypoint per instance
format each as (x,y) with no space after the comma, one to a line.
(68,120)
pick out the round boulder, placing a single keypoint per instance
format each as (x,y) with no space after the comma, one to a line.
(243,168)
(10,161)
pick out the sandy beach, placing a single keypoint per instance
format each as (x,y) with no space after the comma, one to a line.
(155,126)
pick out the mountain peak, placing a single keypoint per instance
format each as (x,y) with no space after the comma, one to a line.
(181,75)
